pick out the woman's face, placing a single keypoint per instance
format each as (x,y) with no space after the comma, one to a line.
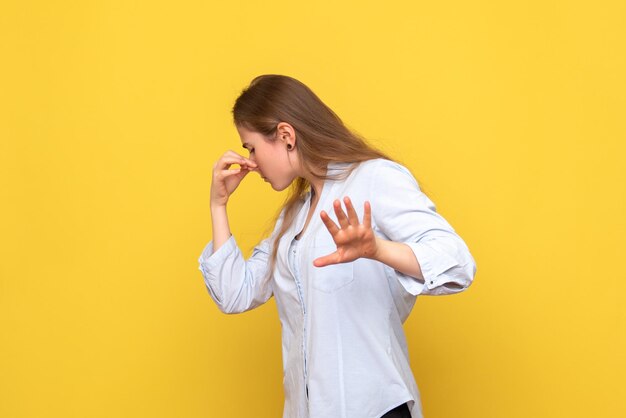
(276,165)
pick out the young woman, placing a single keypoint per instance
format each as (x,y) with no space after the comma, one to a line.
(344,280)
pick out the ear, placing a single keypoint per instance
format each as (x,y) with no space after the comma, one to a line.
(286,133)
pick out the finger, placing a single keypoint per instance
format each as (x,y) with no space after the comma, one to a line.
(367,215)
(233,154)
(228,173)
(247,162)
(330,225)
(226,162)
(341,217)
(326,260)
(234,158)
(352,216)
(250,163)
(244,171)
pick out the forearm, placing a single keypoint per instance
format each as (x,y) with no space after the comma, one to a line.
(221,229)
(236,284)
(399,256)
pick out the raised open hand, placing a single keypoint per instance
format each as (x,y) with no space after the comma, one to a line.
(353,239)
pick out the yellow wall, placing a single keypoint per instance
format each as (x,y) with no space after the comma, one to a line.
(113,113)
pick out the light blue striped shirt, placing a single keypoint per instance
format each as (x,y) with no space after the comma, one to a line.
(343,345)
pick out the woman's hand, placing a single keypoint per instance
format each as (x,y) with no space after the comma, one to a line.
(353,239)
(225,180)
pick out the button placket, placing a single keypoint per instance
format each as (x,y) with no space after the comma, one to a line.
(292,266)
(296,273)
(295,269)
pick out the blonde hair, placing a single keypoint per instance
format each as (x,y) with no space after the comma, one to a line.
(322,137)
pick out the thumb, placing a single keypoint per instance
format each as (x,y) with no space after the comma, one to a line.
(326,260)
(239,176)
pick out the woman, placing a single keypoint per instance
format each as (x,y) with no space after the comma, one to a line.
(344,281)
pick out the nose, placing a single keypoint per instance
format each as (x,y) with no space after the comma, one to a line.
(255,168)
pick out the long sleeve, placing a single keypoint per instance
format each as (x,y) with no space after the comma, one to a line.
(235,284)
(403,213)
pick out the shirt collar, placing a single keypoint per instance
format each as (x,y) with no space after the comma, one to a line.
(334,167)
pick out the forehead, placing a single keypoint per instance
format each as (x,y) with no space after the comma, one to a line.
(248,136)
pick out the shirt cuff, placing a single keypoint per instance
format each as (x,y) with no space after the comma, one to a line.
(411,284)
(433,264)
(210,260)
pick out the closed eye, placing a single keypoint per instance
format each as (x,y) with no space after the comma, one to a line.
(250,150)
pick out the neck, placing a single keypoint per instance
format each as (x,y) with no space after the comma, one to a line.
(317,185)
(316,190)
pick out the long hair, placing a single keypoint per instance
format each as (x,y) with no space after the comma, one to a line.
(321,135)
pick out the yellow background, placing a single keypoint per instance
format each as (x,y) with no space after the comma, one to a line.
(113,113)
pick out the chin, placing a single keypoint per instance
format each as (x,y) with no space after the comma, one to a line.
(279,187)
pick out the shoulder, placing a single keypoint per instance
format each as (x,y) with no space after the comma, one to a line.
(381,170)
(381,163)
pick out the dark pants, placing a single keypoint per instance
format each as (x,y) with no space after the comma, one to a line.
(401,411)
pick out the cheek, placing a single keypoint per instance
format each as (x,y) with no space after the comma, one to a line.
(261,158)
(271,160)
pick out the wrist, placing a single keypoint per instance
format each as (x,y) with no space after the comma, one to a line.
(380,249)
(218,206)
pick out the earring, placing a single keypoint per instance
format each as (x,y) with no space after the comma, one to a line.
(289,147)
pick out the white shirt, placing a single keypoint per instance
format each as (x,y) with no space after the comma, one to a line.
(342,335)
